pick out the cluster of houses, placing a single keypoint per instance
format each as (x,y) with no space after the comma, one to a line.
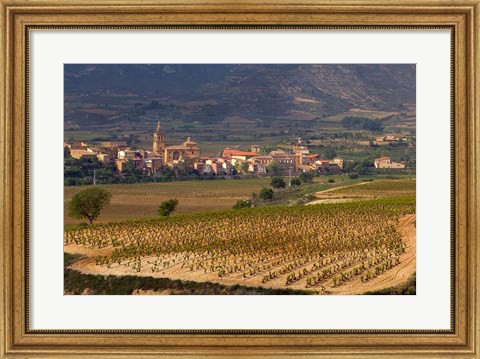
(188,156)
(298,160)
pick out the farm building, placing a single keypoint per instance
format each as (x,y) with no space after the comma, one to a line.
(386,162)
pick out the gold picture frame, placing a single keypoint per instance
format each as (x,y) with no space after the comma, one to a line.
(18,17)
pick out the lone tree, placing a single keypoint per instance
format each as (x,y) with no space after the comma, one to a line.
(88,203)
(167,207)
(277,182)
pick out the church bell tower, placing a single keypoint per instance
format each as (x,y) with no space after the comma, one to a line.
(158,139)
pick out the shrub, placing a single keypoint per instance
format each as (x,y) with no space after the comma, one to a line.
(242,204)
(278,182)
(306,177)
(70,181)
(295,182)
(167,207)
(266,193)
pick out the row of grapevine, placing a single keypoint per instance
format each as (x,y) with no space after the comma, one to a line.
(315,246)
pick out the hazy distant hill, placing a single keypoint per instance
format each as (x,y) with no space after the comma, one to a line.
(213,93)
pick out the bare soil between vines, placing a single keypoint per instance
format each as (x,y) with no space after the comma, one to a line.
(395,276)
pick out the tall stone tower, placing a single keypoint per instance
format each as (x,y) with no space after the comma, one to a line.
(158,139)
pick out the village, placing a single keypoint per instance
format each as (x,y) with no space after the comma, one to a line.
(241,180)
(188,157)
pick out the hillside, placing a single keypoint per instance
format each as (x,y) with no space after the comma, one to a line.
(252,97)
(250,90)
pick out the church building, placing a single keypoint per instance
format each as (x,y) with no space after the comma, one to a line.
(186,152)
(158,139)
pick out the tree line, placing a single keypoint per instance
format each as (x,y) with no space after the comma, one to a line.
(362,123)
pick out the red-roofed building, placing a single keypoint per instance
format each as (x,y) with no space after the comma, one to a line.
(238,155)
(329,166)
(309,159)
(386,162)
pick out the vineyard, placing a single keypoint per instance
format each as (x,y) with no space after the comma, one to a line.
(374,189)
(328,249)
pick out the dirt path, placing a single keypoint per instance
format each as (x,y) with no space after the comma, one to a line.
(335,200)
(325,197)
(393,277)
(320,193)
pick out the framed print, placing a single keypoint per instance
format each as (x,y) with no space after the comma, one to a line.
(239,179)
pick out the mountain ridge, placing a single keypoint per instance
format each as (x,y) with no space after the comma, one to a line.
(212,92)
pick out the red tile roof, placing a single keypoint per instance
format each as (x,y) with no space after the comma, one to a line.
(229,152)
